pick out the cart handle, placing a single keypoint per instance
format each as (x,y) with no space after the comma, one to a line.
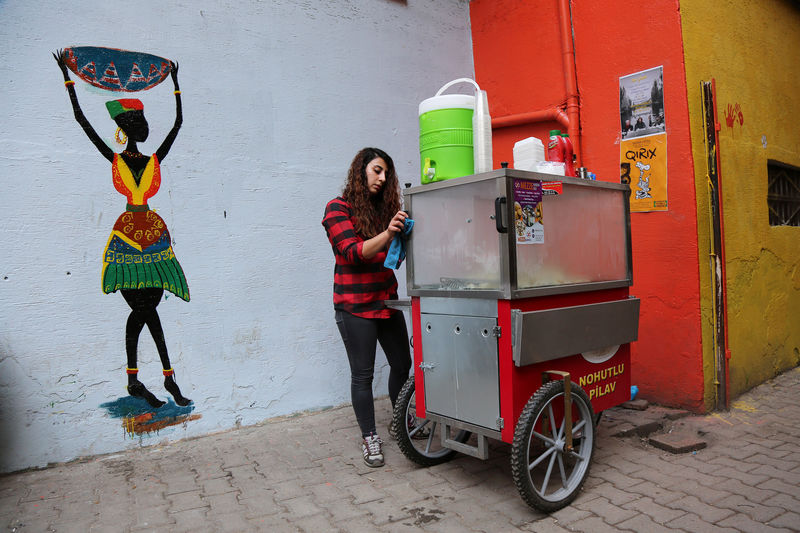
(499,202)
(567,406)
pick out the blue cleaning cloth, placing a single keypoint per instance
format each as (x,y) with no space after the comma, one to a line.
(397,250)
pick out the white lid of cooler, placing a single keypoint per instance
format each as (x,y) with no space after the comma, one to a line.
(447,101)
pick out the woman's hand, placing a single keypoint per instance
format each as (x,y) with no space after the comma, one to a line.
(174,73)
(62,63)
(382,240)
(397,223)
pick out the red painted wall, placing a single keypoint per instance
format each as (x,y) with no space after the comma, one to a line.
(518,61)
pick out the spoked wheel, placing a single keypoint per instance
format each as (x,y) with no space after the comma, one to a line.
(547,474)
(418,438)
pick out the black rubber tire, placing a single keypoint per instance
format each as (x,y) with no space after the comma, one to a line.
(428,452)
(528,443)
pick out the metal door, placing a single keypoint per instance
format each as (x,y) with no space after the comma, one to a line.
(461,368)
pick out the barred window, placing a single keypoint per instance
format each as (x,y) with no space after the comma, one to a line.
(783,194)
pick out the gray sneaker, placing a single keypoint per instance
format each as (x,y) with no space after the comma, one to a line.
(371,448)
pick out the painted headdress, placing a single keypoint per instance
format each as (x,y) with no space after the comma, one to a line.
(117,107)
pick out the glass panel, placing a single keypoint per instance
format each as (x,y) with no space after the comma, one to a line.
(584,240)
(455,243)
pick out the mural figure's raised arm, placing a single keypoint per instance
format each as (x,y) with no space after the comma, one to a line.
(163,150)
(107,152)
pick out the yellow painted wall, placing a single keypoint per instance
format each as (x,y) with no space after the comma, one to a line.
(752,50)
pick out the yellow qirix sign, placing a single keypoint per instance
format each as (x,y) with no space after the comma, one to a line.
(643,165)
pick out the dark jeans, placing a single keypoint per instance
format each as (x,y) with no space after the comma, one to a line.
(360,336)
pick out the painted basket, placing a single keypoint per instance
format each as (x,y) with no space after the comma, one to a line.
(117,70)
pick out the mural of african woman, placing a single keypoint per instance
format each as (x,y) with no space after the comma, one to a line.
(138,260)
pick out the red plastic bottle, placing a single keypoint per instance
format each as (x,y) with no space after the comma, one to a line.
(569,168)
(555,146)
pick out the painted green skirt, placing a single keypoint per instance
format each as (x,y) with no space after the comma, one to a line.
(125,266)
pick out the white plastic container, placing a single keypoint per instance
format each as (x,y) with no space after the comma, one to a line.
(528,153)
(551,167)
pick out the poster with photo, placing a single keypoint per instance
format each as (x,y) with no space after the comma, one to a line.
(528,216)
(641,103)
(643,139)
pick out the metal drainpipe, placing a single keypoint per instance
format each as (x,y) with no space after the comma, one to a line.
(571,119)
(570,78)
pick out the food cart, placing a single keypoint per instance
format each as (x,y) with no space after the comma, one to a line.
(519,284)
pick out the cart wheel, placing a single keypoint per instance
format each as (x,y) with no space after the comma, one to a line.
(427,451)
(547,474)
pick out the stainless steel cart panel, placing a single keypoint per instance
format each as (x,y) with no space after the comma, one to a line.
(553,333)
(461,367)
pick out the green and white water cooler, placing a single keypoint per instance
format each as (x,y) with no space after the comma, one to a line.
(445,135)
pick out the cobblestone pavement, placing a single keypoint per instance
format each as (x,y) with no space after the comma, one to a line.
(306,474)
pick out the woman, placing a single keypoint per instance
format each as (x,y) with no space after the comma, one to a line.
(138,260)
(361,224)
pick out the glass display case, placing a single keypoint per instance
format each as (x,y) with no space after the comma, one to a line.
(509,234)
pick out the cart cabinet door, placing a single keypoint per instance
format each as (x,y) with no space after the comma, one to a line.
(461,368)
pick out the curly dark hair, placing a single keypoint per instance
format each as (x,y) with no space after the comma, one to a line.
(372,213)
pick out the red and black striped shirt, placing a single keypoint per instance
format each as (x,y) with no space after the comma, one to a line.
(359,285)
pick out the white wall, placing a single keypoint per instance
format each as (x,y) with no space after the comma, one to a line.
(278,96)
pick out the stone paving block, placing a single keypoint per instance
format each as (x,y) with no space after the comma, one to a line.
(695,524)
(729,449)
(343,512)
(448,524)
(301,507)
(607,511)
(190,520)
(786,476)
(616,478)
(568,515)
(654,511)
(287,490)
(715,462)
(753,494)
(746,524)
(705,493)
(788,520)
(152,518)
(481,514)
(223,503)
(706,512)
(544,525)
(365,492)
(316,524)
(644,523)
(613,494)
(778,485)
(274,523)
(404,493)
(180,484)
(638,428)
(636,405)
(592,524)
(678,442)
(214,486)
(231,523)
(422,478)
(260,504)
(784,501)
(516,511)
(183,501)
(385,511)
(787,463)
(752,478)
(72,526)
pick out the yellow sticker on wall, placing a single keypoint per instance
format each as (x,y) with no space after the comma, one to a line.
(643,165)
